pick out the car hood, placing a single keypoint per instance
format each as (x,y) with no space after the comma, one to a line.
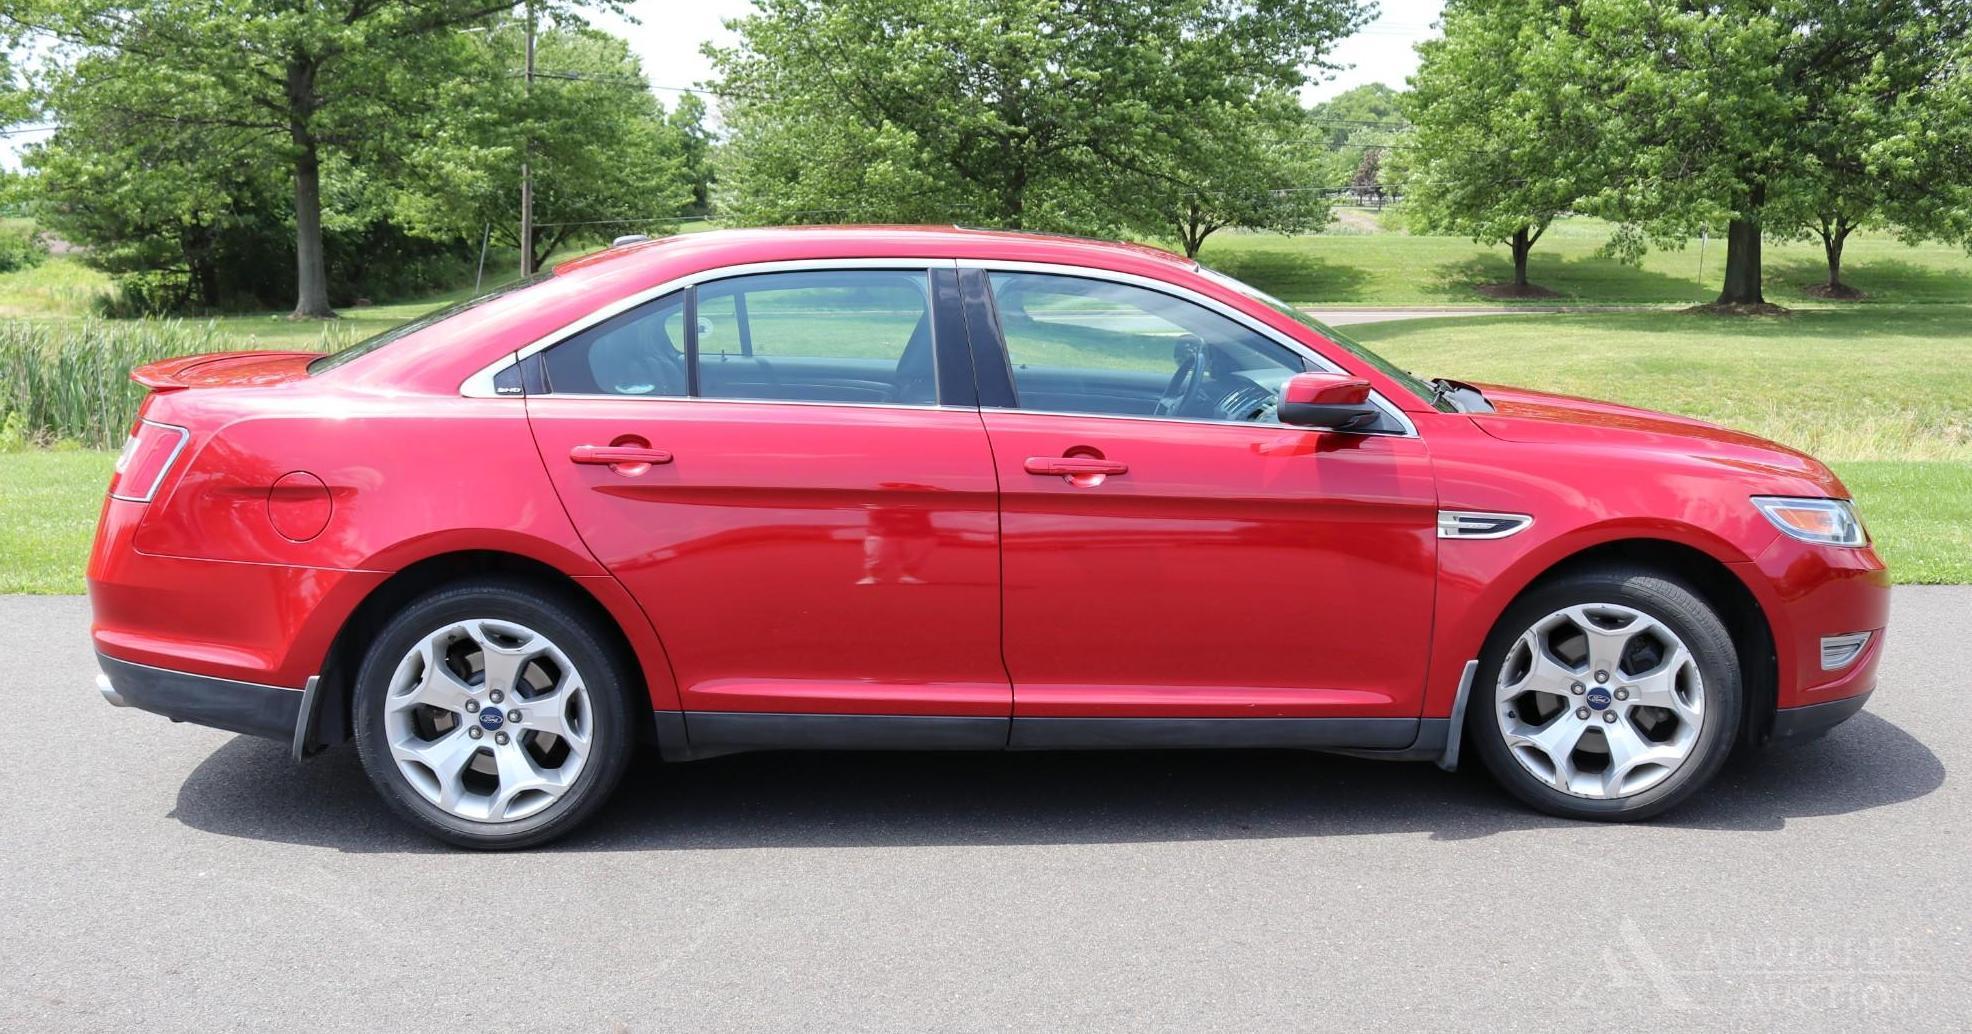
(1535,417)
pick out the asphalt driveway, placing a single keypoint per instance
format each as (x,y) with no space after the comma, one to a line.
(182,878)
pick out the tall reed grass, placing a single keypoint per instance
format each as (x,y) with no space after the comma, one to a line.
(70,380)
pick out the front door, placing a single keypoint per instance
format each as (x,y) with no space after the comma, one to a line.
(769,464)
(1168,549)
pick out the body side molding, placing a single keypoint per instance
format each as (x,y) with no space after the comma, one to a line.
(701,734)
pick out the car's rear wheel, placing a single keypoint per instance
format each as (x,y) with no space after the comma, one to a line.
(1608,694)
(490,716)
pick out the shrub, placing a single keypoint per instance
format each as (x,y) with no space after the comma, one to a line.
(20,248)
(151,292)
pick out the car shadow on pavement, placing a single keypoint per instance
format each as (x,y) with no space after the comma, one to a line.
(250,788)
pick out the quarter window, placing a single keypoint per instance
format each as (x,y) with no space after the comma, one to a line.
(640,352)
(1078,345)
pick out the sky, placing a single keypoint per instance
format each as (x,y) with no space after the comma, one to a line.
(667,35)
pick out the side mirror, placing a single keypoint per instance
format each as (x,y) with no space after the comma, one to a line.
(1328,401)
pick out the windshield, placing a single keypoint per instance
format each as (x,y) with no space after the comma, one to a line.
(404,330)
(1416,385)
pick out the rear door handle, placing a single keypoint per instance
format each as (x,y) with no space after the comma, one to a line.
(1070,466)
(611,455)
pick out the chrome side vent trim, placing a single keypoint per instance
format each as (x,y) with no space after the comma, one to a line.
(1472,524)
(1839,651)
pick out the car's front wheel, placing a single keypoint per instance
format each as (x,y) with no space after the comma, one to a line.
(490,716)
(1610,694)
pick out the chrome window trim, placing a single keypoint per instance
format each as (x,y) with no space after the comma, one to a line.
(480,384)
(1182,293)
(707,400)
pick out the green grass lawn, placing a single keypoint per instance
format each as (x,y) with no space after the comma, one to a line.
(1881,382)
(60,286)
(1383,268)
(48,506)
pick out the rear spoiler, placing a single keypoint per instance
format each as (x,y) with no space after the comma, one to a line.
(174,374)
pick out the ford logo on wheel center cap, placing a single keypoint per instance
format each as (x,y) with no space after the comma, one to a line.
(1598,698)
(490,718)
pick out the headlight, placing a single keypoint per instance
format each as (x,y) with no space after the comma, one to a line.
(1831,522)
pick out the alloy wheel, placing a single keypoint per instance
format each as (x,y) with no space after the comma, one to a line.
(488,720)
(1600,701)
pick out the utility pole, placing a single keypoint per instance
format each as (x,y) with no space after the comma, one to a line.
(526,174)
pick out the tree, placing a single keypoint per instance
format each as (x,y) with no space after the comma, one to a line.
(1346,128)
(1928,161)
(1246,166)
(1490,155)
(16,101)
(167,214)
(1021,113)
(1738,111)
(199,220)
(304,83)
(1888,74)
(687,120)
(603,158)
(1372,106)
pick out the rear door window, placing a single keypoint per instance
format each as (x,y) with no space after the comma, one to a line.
(859,335)
(852,336)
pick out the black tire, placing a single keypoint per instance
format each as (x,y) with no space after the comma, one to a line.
(603,670)
(1661,596)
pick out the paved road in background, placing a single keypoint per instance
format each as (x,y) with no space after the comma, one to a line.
(1345,317)
(186,879)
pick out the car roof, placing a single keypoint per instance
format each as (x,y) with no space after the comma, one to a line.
(688,252)
(436,355)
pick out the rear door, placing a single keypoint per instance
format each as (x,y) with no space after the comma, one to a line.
(789,472)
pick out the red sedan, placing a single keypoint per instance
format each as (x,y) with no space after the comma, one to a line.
(942,489)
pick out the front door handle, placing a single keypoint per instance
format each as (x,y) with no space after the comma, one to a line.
(1072,466)
(618,455)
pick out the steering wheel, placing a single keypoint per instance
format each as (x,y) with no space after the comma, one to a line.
(1248,404)
(1188,382)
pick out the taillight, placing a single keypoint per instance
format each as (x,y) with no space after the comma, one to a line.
(147,456)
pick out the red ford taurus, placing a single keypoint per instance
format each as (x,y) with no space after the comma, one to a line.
(952,490)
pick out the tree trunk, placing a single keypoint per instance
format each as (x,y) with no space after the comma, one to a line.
(1833,236)
(205,273)
(1521,246)
(1013,206)
(196,244)
(1742,271)
(1193,229)
(311,269)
